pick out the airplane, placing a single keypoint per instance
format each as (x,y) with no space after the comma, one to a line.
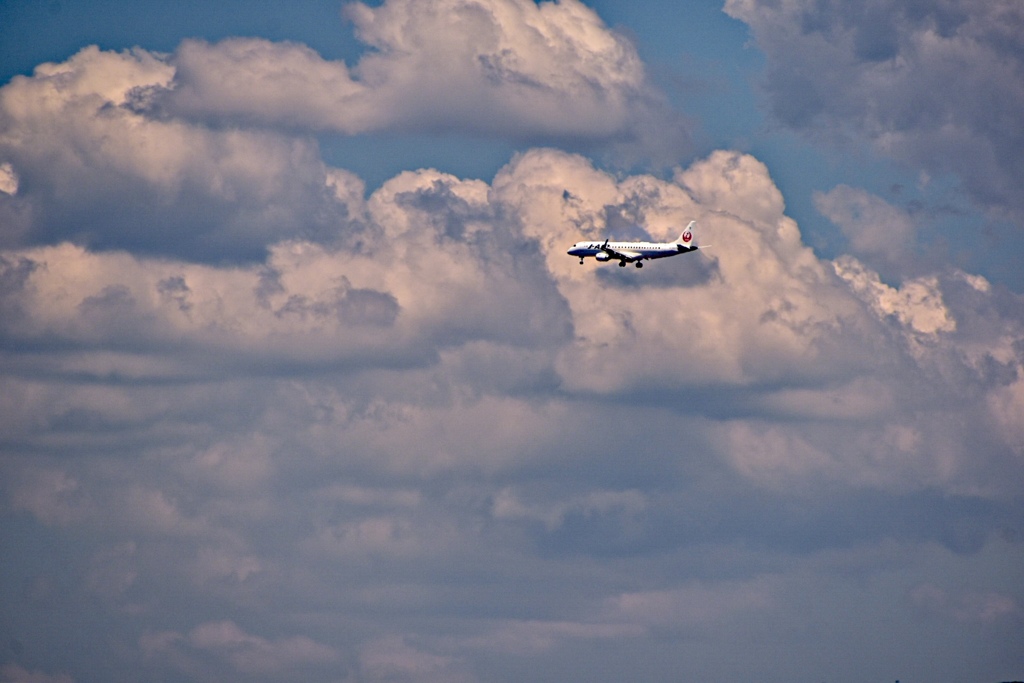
(636,252)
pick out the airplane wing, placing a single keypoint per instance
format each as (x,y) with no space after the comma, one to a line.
(622,255)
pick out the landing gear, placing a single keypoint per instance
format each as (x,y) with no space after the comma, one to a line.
(581,260)
(622,264)
(639,265)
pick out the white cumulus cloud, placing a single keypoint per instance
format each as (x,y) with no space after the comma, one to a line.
(513,69)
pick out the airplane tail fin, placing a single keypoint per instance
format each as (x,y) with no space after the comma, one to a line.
(688,238)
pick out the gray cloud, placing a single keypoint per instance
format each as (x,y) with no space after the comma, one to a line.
(877,231)
(936,85)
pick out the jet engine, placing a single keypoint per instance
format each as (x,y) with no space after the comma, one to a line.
(602,256)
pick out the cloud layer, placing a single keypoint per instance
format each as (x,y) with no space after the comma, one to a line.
(258,425)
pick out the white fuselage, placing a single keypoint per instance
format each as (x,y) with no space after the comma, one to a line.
(633,251)
(636,252)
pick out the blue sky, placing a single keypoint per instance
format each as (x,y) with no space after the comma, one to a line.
(298,382)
